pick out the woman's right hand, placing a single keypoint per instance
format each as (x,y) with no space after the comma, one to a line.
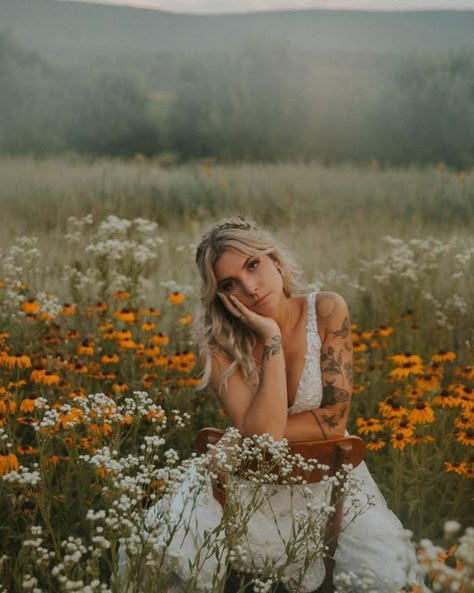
(266,327)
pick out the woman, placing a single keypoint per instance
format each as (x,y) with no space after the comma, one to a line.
(281,364)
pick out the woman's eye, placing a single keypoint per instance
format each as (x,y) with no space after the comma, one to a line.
(229,285)
(253,264)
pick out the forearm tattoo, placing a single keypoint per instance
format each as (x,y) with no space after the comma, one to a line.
(273,349)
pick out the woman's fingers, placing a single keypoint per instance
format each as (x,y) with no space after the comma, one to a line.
(229,304)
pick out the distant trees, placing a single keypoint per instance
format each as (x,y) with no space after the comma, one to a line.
(45,110)
(265,102)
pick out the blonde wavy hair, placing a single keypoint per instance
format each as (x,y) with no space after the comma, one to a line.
(218,329)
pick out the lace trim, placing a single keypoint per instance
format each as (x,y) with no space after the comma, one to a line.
(310,388)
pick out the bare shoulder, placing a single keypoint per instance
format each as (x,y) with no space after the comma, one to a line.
(332,312)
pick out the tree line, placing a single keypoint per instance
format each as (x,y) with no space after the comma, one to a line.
(265,102)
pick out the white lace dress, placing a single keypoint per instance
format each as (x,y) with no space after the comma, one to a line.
(372,546)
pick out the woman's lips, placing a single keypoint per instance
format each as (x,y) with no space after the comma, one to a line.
(261,299)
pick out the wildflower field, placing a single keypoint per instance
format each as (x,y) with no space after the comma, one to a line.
(98,373)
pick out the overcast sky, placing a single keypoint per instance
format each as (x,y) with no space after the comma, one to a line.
(225,6)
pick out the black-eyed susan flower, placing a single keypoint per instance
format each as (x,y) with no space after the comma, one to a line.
(405,370)
(399,439)
(392,408)
(68,310)
(421,413)
(384,331)
(30,306)
(404,425)
(21,361)
(50,378)
(120,386)
(159,339)
(109,359)
(416,439)
(445,399)
(26,450)
(126,315)
(127,344)
(443,356)
(121,295)
(8,463)
(466,372)
(456,467)
(466,437)
(358,389)
(148,326)
(369,425)
(427,382)
(375,442)
(86,347)
(176,297)
(400,359)
(463,422)
(27,405)
(185,320)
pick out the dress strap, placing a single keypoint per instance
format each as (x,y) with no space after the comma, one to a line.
(312,333)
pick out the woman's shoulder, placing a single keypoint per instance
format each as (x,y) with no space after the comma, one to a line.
(330,307)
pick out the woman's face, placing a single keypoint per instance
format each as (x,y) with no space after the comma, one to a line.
(254,280)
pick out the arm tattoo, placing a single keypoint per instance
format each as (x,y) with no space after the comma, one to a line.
(332,365)
(333,395)
(330,421)
(272,349)
(344,331)
(318,422)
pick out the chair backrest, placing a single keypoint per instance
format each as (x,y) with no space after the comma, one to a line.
(332,452)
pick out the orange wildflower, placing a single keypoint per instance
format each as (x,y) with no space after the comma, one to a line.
(384,331)
(443,356)
(109,358)
(427,382)
(30,306)
(400,359)
(27,405)
(8,463)
(465,372)
(375,442)
(185,320)
(86,347)
(126,315)
(128,344)
(21,361)
(399,439)
(120,386)
(391,408)
(421,413)
(457,467)
(176,298)
(68,310)
(466,437)
(121,294)
(159,339)
(406,369)
(445,399)
(148,326)
(371,425)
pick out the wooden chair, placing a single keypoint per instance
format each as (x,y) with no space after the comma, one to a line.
(333,453)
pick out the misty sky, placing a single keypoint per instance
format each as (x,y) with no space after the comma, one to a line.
(223,6)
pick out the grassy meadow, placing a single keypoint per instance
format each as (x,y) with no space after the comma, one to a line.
(98,399)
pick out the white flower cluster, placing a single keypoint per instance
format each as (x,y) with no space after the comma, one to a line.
(24,476)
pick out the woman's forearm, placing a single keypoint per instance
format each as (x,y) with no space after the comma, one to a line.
(268,411)
(318,424)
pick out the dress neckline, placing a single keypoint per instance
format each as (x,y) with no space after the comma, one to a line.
(311,326)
